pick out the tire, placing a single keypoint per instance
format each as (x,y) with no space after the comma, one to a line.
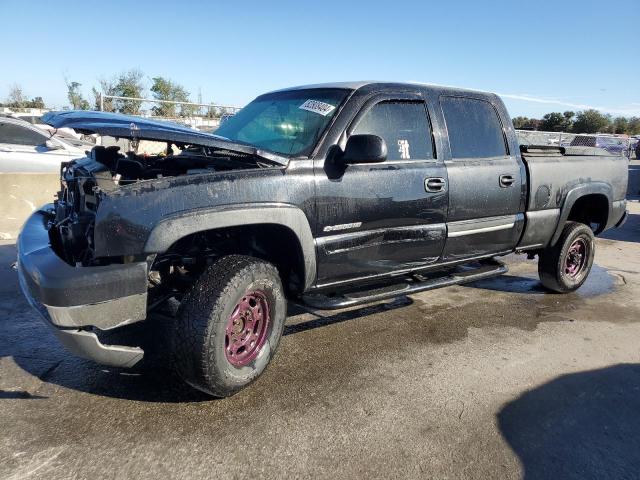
(236,301)
(564,267)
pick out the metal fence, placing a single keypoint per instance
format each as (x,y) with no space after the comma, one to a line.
(198,115)
(609,142)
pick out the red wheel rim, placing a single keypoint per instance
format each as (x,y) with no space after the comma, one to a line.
(247,328)
(576,258)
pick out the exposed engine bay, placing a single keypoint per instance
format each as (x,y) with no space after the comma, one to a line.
(106,169)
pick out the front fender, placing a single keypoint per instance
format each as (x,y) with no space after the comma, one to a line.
(171,229)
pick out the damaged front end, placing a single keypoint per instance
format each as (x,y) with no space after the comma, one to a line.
(81,264)
(72,227)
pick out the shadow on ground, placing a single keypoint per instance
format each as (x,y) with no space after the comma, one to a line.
(630,232)
(579,426)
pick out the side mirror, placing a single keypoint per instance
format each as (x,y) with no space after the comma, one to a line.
(51,145)
(364,149)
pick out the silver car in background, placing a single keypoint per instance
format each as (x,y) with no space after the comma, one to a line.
(27,148)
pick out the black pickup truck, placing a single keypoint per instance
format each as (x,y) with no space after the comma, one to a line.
(327,196)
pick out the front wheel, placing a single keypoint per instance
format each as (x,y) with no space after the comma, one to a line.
(565,267)
(229,325)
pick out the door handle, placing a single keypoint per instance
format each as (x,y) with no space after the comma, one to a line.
(506,181)
(435,184)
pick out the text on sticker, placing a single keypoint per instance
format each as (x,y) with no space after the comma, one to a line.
(317,106)
(403,149)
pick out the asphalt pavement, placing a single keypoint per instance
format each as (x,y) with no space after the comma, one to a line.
(496,379)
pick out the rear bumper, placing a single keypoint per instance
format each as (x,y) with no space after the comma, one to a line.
(618,214)
(73,298)
(623,220)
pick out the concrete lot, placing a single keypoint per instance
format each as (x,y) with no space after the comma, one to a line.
(497,379)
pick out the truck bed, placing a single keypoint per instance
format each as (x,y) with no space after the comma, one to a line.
(552,173)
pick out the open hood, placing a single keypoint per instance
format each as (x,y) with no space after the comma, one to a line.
(139,128)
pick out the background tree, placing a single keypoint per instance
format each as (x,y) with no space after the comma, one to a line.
(165,89)
(633,127)
(568,120)
(520,122)
(215,112)
(75,97)
(553,122)
(591,121)
(107,87)
(557,122)
(129,84)
(620,125)
(36,102)
(16,98)
(525,123)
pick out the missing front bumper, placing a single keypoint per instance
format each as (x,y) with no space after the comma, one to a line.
(71,299)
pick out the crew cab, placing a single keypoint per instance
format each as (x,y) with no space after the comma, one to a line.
(327,196)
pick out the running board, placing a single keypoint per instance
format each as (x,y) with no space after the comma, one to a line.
(414,283)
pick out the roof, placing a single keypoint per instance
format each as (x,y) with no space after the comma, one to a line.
(345,85)
(355,85)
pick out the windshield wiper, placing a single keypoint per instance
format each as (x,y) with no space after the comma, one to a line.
(271,157)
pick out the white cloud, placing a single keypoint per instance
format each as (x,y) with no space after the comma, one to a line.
(627,110)
(630,110)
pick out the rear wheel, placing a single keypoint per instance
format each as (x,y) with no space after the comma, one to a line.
(565,267)
(229,325)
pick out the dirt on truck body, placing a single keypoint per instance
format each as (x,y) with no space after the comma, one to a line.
(327,195)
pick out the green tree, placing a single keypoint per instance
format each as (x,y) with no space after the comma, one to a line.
(525,123)
(620,125)
(36,102)
(76,99)
(129,84)
(520,123)
(557,122)
(568,120)
(634,126)
(591,121)
(552,122)
(165,89)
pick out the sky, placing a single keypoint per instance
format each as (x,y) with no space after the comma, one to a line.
(540,56)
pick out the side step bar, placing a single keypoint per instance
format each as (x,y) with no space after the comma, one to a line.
(413,283)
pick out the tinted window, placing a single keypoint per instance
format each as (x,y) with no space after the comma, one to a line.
(474,128)
(404,126)
(17,135)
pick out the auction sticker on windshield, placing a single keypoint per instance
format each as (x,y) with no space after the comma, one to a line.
(317,106)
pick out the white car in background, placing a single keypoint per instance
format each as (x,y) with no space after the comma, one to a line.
(27,148)
(36,121)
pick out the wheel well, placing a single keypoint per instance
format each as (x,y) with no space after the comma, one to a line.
(592,210)
(274,243)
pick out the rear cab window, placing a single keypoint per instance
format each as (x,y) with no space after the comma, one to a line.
(403,125)
(474,128)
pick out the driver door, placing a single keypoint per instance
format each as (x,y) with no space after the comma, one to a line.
(380,218)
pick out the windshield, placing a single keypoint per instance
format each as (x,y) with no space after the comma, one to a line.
(289,122)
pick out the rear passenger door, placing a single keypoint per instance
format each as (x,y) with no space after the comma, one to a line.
(487,182)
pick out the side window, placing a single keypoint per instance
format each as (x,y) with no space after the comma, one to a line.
(404,126)
(474,128)
(17,135)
